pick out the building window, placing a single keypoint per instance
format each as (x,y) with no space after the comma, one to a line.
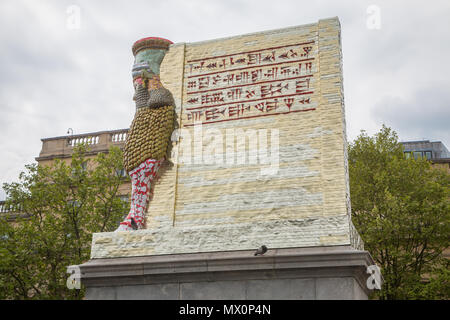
(121,173)
(83,168)
(418,154)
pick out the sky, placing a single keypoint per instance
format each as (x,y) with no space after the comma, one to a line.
(67,64)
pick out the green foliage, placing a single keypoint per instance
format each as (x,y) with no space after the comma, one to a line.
(65,204)
(401,209)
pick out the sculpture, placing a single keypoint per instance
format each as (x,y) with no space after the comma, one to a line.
(148,139)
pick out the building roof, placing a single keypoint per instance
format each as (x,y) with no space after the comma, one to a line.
(438,149)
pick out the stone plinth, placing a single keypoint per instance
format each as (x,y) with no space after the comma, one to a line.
(333,272)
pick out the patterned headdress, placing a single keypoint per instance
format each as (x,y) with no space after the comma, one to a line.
(148,53)
(151,43)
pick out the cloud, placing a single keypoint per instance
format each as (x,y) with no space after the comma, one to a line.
(407,54)
(425,115)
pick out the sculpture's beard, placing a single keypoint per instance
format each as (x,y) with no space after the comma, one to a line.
(141,96)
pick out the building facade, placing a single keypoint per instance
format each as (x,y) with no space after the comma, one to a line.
(62,148)
(435,151)
(98,142)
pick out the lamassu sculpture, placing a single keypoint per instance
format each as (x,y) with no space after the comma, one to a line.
(148,139)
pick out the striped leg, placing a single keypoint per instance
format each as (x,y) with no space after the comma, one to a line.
(141,179)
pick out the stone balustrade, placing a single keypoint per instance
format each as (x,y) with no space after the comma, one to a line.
(4,208)
(7,208)
(62,147)
(11,212)
(119,136)
(89,140)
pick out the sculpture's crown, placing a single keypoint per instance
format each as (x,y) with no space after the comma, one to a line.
(151,43)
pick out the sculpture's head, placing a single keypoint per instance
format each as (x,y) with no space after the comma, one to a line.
(148,55)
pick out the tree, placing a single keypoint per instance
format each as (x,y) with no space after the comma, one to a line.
(65,204)
(401,209)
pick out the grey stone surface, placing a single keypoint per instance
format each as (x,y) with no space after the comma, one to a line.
(281,289)
(345,288)
(335,288)
(101,293)
(334,272)
(215,290)
(359,293)
(168,291)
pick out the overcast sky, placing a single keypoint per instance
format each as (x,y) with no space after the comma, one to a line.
(54,76)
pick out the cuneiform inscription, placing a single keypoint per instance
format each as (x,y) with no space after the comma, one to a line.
(250,84)
(250,58)
(295,86)
(244,109)
(222,80)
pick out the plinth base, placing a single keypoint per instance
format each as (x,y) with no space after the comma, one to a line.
(336,272)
